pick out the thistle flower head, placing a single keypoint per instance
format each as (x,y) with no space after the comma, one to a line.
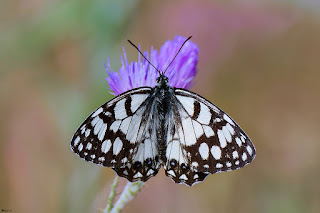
(140,73)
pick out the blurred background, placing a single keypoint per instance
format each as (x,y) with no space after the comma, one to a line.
(259,61)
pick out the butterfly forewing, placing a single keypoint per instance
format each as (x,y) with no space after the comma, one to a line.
(116,135)
(210,140)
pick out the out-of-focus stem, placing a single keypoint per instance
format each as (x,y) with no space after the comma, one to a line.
(128,193)
(112,195)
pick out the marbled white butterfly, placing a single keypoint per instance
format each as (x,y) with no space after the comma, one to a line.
(145,128)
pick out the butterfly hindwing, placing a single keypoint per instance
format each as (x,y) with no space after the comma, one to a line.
(145,161)
(115,135)
(206,140)
(177,165)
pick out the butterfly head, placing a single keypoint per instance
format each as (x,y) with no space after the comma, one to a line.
(162,80)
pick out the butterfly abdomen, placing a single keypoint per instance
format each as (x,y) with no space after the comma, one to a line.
(163,96)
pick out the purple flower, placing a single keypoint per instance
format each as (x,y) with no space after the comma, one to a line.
(141,73)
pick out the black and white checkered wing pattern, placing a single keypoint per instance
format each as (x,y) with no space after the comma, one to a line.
(203,140)
(118,135)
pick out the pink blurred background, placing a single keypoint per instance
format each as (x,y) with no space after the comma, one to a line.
(259,61)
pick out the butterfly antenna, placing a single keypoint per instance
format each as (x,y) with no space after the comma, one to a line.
(143,55)
(178,52)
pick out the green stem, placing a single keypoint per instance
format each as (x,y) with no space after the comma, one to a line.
(129,192)
(112,195)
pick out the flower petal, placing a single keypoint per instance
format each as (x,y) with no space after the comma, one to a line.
(141,73)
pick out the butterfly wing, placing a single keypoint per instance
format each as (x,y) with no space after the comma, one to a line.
(117,135)
(177,165)
(206,140)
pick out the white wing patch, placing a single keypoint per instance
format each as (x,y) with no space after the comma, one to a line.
(102,131)
(208,131)
(120,110)
(198,129)
(115,126)
(174,152)
(133,129)
(204,151)
(125,125)
(216,152)
(222,139)
(106,145)
(188,131)
(117,146)
(204,115)
(97,112)
(150,150)
(187,104)
(137,100)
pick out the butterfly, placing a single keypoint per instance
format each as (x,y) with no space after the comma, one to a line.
(141,130)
